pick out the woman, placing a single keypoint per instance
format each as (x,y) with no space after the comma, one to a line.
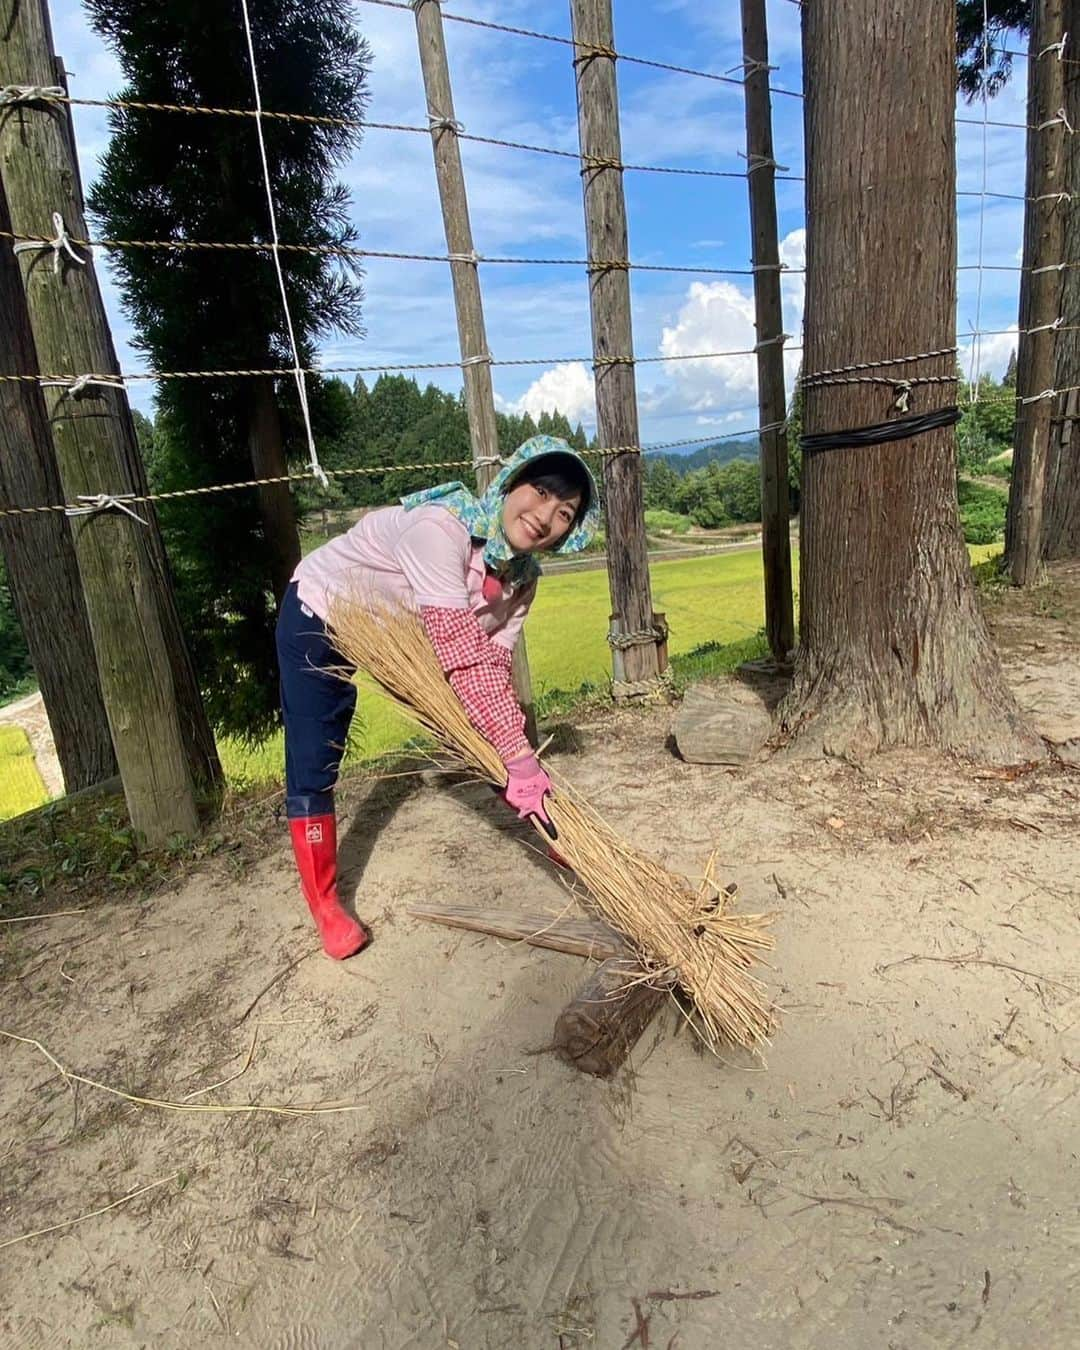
(467,565)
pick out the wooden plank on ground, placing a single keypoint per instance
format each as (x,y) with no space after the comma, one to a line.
(577,937)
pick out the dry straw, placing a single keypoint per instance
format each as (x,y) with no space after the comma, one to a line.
(671,927)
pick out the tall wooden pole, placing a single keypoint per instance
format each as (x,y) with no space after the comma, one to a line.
(39,554)
(464,271)
(93,437)
(638,636)
(1040,291)
(768,308)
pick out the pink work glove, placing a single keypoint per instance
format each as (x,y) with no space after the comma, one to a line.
(526,787)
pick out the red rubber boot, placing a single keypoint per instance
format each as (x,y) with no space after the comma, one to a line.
(314,841)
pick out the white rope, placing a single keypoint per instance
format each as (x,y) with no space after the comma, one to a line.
(1059,119)
(437,123)
(60,244)
(104,501)
(755,162)
(1037,398)
(976,346)
(1047,327)
(29,93)
(1058,47)
(74,387)
(751,65)
(771,342)
(298,371)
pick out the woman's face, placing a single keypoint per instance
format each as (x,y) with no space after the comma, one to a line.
(535,519)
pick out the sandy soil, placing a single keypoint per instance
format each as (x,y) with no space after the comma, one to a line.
(904,1173)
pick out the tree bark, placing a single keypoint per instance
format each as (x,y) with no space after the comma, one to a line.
(638,641)
(1040,293)
(138,645)
(769,324)
(1061,509)
(596,1032)
(39,554)
(275,500)
(893,648)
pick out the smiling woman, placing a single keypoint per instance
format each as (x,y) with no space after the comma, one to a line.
(545,500)
(467,565)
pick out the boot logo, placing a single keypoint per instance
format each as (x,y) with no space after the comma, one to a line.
(313,832)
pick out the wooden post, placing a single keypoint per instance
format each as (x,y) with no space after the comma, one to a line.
(93,437)
(1040,291)
(636,637)
(39,553)
(772,400)
(464,271)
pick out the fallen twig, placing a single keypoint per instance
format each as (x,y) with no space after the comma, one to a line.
(57,914)
(979,961)
(859,1204)
(235,1108)
(200,1092)
(267,987)
(68,1223)
(667,1295)
(640,1333)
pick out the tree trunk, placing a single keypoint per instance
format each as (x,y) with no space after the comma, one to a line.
(132,620)
(893,648)
(275,500)
(40,556)
(1061,512)
(1040,293)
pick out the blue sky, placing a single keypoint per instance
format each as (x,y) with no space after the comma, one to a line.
(530,205)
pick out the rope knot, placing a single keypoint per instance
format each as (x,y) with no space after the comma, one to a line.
(438,123)
(80,383)
(60,244)
(94,504)
(11,94)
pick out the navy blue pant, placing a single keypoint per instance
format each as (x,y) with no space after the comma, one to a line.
(317,705)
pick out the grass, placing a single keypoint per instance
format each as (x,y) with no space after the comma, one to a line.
(667,522)
(568,651)
(713,604)
(21,788)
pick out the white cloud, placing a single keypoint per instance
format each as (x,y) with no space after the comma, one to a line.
(719,317)
(716,317)
(568,389)
(991,354)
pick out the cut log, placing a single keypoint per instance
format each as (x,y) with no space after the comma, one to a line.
(598,1030)
(576,937)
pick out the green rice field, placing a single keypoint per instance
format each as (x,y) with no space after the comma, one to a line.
(715,599)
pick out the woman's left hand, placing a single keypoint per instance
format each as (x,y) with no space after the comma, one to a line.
(527,785)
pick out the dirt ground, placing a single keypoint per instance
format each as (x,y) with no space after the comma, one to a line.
(903,1173)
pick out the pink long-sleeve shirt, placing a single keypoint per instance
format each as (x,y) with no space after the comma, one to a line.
(424,560)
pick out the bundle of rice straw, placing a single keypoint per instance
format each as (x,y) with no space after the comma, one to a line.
(670,926)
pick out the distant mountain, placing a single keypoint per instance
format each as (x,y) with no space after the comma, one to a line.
(722,452)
